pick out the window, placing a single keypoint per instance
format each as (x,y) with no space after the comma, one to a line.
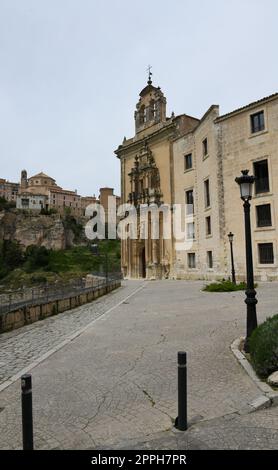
(25,202)
(208,225)
(205,147)
(191,260)
(257,122)
(188,161)
(209,259)
(261,174)
(263,215)
(190,230)
(143,115)
(189,199)
(207,194)
(266,253)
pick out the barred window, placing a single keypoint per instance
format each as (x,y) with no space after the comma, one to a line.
(209,259)
(263,215)
(188,161)
(191,260)
(257,122)
(205,147)
(208,225)
(207,193)
(189,199)
(266,255)
(261,174)
(191,231)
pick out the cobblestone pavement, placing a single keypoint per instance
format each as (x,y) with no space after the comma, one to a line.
(115,384)
(25,345)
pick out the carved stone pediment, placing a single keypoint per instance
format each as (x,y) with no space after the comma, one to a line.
(145,178)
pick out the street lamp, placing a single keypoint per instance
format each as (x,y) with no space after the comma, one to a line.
(231,238)
(95,251)
(245,183)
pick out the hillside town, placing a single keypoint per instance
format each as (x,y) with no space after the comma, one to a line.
(41,191)
(139,267)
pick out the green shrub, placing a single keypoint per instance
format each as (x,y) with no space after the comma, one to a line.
(48,211)
(70,223)
(11,255)
(264,347)
(38,279)
(36,257)
(224,286)
(6,205)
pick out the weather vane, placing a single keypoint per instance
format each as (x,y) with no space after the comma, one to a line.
(150,74)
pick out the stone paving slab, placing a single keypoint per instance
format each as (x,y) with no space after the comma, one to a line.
(24,346)
(256,431)
(118,379)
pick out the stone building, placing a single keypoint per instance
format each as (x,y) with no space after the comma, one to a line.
(184,160)
(8,190)
(147,177)
(41,192)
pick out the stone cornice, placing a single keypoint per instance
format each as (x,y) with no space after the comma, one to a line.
(155,136)
(248,107)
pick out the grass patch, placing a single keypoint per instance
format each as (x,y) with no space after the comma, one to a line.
(224,286)
(264,347)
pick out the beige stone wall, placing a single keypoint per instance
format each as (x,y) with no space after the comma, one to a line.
(203,168)
(240,149)
(232,148)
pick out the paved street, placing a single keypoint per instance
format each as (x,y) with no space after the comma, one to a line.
(113,385)
(26,345)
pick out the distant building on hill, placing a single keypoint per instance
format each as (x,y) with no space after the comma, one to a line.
(8,190)
(42,192)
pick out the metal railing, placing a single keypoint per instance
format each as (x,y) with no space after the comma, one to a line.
(13,300)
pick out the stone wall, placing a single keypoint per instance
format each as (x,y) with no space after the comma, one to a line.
(31,313)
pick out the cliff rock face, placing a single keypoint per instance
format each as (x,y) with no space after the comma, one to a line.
(34,229)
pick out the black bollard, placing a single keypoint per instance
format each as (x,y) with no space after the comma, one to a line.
(27,412)
(181,422)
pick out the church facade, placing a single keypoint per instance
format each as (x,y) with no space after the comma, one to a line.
(194,162)
(147,177)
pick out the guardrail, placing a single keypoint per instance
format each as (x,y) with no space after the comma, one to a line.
(17,299)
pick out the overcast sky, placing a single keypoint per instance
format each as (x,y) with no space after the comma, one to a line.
(71,72)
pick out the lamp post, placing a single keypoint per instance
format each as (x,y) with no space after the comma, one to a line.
(231,238)
(245,183)
(95,251)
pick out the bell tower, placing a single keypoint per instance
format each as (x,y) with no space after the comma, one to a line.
(24,180)
(151,107)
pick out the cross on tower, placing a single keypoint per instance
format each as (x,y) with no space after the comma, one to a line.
(150,74)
